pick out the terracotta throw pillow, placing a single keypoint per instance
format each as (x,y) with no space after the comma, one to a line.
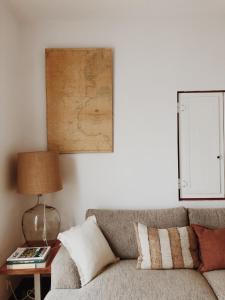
(170,248)
(212,248)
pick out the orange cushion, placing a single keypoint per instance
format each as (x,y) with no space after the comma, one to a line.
(212,247)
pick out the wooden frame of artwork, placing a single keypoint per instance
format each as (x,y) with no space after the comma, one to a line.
(79,100)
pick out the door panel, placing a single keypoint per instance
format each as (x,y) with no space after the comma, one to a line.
(201,148)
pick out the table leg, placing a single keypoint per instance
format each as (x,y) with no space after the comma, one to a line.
(37,286)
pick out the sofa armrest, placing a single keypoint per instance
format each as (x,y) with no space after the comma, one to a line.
(64,273)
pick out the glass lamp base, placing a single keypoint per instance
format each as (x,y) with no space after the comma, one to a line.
(41,225)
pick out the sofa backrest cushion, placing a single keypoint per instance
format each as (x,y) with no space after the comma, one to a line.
(118,228)
(208,217)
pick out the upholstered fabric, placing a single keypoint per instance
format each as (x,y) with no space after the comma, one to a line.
(216,279)
(64,273)
(170,248)
(212,248)
(88,248)
(117,225)
(208,217)
(122,281)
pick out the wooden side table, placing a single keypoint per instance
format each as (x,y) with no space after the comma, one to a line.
(35,272)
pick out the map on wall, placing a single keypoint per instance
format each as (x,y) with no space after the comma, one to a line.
(79,100)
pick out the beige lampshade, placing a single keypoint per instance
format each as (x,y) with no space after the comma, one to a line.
(38,173)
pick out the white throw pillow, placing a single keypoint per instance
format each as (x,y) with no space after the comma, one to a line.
(88,248)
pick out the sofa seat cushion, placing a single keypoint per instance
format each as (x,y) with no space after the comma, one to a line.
(122,281)
(216,279)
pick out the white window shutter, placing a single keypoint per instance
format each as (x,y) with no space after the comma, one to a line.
(201,145)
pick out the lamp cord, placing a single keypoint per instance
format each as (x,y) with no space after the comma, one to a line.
(29,294)
(44,235)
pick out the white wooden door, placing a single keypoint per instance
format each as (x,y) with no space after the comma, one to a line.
(201,145)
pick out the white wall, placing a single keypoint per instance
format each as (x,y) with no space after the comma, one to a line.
(10,205)
(153,59)
(12,136)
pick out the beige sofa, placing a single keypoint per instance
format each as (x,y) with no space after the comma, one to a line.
(121,281)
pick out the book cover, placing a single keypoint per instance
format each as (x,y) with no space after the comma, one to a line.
(29,254)
(15,262)
(26,266)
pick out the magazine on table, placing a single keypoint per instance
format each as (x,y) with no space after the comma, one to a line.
(31,254)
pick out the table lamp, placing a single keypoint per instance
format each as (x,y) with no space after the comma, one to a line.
(38,174)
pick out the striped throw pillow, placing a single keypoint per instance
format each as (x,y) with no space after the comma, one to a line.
(171,248)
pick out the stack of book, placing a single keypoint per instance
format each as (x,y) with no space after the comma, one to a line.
(28,258)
